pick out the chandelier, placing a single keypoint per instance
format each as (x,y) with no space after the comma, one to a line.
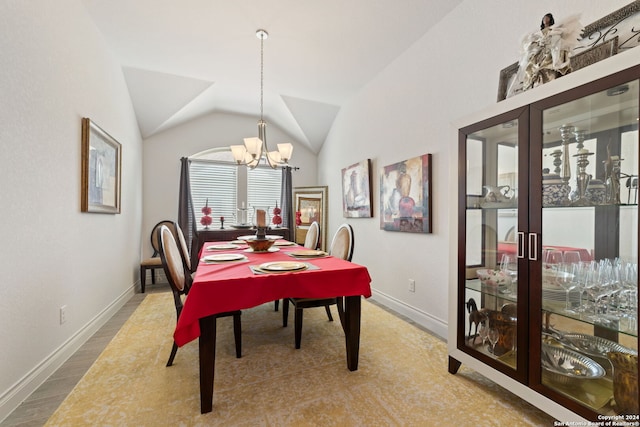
(255,149)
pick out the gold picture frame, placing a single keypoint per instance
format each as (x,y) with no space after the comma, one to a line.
(594,54)
(311,203)
(507,74)
(101,170)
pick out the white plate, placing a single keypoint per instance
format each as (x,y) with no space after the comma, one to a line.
(308,253)
(238,242)
(253,236)
(221,247)
(271,249)
(248,237)
(284,243)
(223,257)
(282,266)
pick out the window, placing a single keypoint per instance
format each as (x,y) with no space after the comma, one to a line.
(215,178)
(263,187)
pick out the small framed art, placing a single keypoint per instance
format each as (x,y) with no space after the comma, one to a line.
(356,190)
(101,170)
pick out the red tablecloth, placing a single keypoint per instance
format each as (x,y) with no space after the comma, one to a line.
(510,248)
(218,288)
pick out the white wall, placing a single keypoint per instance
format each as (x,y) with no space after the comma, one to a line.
(407,111)
(55,70)
(162,153)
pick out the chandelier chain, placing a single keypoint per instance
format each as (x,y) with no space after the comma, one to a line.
(261,75)
(255,150)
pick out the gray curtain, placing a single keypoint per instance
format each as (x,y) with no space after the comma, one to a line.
(186,214)
(286,202)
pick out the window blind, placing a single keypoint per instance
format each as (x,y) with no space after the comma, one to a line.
(263,188)
(218,183)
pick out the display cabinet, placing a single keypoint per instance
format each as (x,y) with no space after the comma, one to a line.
(546,297)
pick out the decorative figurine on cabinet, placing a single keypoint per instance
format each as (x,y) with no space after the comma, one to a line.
(476,317)
(546,53)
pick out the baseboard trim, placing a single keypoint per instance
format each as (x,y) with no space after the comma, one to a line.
(433,324)
(22,389)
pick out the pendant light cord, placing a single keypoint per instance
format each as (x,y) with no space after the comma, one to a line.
(261,75)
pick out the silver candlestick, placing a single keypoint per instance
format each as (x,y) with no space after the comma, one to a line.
(580,136)
(557,160)
(613,181)
(566,132)
(583,178)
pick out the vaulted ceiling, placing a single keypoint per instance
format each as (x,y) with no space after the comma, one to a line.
(184,59)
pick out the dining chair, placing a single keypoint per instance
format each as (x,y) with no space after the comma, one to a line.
(184,249)
(310,242)
(313,236)
(153,263)
(341,247)
(180,282)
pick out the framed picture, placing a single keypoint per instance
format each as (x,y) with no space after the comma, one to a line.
(356,190)
(101,170)
(507,75)
(594,54)
(310,204)
(405,196)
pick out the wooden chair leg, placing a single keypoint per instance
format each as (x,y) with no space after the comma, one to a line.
(143,279)
(298,326)
(153,276)
(329,313)
(276,304)
(174,350)
(285,312)
(237,333)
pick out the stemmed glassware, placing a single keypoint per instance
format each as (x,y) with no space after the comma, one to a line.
(509,265)
(554,259)
(568,276)
(483,333)
(493,336)
(623,302)
(600,285)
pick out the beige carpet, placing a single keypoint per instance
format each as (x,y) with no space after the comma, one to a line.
(402,378)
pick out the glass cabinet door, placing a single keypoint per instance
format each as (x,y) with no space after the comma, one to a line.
(588,265)
(490,274)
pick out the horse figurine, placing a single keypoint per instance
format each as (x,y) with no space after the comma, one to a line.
(476,317)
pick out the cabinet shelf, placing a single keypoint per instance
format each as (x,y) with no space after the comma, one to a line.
(614,325)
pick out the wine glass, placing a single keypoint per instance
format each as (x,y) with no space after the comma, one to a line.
(554,259)
(572,257)
(598,286)
(566,279)
(569,276)
(493,339)
(483,333)
(509,265)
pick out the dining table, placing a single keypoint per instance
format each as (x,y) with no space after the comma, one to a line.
(229,277)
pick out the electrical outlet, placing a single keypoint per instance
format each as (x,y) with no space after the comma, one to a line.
(63,314)
(412,285)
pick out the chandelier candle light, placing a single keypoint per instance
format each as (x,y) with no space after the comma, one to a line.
(255,149)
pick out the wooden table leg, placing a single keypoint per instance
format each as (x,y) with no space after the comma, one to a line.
(207,357)
(351,326)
